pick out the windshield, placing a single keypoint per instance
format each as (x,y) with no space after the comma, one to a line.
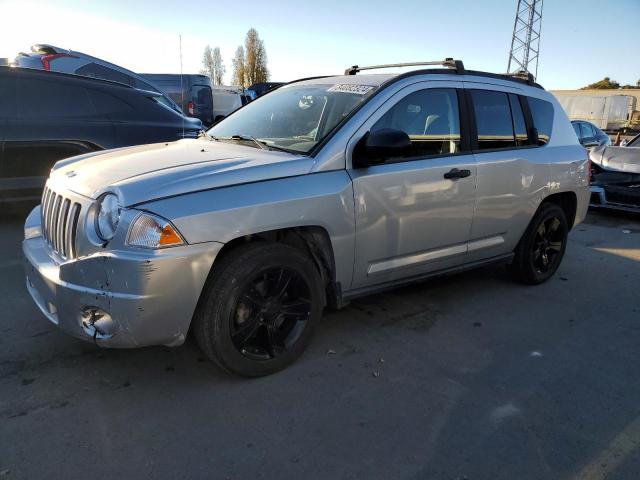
(294,118)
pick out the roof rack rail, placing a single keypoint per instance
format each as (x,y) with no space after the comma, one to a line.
(522,75)
(456,65)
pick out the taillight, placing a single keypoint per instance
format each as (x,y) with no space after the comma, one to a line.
(190,109)
(46,59)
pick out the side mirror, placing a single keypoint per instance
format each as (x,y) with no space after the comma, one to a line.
(376,147)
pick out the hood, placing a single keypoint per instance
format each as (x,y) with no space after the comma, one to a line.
(617,159)
(148,172)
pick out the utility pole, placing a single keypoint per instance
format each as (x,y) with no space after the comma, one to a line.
(525,42)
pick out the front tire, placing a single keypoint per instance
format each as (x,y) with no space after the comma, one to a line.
(259,309)
(542,246)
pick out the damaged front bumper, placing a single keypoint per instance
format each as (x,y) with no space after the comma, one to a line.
(119,298)
(616,190)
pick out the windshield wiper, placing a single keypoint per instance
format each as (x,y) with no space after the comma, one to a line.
(249,138)
(260,143)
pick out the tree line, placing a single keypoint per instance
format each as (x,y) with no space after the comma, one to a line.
(606,83)
(249,62)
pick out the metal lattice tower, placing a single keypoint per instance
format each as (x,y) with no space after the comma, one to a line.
(525,43)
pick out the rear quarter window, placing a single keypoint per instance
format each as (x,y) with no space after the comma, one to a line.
(542,114)
(108,104)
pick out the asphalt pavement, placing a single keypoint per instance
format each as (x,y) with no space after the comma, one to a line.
(465,377)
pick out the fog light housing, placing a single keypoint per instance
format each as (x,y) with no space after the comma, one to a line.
(97,323)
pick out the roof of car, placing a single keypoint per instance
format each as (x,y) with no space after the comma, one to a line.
(380,79)
(72,77)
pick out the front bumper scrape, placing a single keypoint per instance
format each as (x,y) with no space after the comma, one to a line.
(120,298)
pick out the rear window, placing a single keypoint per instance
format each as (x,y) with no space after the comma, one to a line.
(542,113)
(493,120)
(201,95)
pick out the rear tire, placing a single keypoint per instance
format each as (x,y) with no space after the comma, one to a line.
(542,246)
(259,309)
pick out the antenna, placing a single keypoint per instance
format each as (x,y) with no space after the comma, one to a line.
(525,42)
(181,86)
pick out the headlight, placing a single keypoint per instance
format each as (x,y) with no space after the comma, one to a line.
(150,231)
(108,216)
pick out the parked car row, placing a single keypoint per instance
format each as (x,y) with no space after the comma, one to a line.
(62,103)
(192,95)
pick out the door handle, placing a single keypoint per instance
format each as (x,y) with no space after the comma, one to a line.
(454,174)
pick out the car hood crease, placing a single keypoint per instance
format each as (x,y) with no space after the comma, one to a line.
(144,173)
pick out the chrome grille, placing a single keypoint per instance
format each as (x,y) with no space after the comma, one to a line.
(60,223)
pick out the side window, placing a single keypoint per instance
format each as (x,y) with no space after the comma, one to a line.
(542,113)
(519,124)
(106,104)
(493,120)
(431,119)
(576,128)
(586,130)
(40,98)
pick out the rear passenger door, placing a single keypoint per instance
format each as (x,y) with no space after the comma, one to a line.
(412,215)
(512,173)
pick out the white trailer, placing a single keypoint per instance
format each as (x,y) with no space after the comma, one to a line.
(608,112)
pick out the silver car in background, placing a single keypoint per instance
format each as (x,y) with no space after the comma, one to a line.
(56,59)
(321,191)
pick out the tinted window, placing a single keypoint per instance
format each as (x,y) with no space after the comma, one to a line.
(430,118)
(542,113)
(519,125)
(105,103)
(39,98)
(493,120)
(96,70)
(585,130)
(576,128)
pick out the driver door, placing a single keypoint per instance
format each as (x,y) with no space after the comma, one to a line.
(412,218)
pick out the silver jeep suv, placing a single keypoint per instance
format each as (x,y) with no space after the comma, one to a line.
(323,190)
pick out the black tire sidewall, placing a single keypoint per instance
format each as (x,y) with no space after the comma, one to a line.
(228,284)
(530,271)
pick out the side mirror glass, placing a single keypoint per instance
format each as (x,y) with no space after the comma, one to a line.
(376,147)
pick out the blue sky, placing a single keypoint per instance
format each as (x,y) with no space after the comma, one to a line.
(578,45)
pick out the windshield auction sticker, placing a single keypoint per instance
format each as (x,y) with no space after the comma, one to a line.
(347,88)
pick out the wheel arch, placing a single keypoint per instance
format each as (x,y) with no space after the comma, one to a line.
(313,240)
(568,201)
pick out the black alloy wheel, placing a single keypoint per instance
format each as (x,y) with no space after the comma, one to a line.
(542,246)
(270,314)
(259,308)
